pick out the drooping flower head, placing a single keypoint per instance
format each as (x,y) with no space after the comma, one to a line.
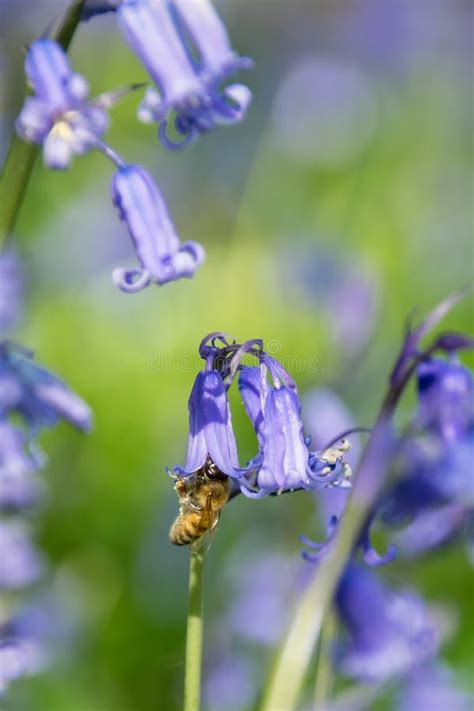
(60,115)
(284,455)
(284,461)
(31,398)
(38,396)
(162,257)
(211,436)
(433,492)
(388,632)
(445,399)
(186,50)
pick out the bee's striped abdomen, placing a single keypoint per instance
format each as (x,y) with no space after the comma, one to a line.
(187,529)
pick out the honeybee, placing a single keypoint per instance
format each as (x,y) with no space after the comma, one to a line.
(201,498)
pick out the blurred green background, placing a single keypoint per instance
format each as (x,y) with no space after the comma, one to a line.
(352,171)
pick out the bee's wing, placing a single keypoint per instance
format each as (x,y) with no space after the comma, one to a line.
(213,527)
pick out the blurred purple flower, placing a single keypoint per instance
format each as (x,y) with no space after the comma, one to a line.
(398,39)
(18,657)
(433,528)
(18,487)
(185,48)
(60,115)
(337,113)
(431,687)
(211,437)
(339,287)
(445,399)
(37,395)
(229,683)
(434,491)
(31,637)
(262,590)
(20,564)
(363,543)
(11,288)
(142,208)
(388,632)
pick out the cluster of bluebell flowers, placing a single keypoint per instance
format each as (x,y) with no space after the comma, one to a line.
(31,398)
(427,496)
(187,53)
(283,461)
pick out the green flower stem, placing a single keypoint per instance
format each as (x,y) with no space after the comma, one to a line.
(324,669)
(21,156)
(192,673)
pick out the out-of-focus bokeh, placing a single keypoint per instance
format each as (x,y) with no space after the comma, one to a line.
(340,204)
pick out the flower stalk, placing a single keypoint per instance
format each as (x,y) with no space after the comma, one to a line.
(194,630)
(21,156)
(292,661)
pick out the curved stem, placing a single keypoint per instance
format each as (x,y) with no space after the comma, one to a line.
(21,156)
(194,629)
(110,154)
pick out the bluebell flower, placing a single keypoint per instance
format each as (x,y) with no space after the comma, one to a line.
(162,257)
(20,563)
(185,49)
(388,632)
(284,461)
(59,115)
(11,288)
(445,399)
(37,395)
(433,492)
(211,437)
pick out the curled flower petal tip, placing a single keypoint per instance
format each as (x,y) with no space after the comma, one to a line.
(161,255)
(186,50)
